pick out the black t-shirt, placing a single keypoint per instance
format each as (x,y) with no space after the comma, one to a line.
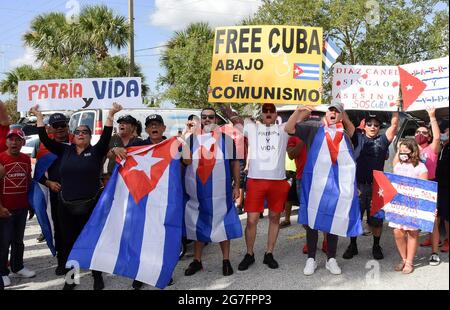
(370,154)
(80,174)
(307,131)
(442,168)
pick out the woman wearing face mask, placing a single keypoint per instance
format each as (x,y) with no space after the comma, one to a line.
(407,164)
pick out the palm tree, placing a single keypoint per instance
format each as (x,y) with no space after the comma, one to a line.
(23,73)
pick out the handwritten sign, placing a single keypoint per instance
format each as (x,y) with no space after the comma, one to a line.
(259,64)
(366,87)
(405,201)
(75,94)
(425,84)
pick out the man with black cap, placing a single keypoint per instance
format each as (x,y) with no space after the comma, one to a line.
(59,131)
(14,206)
(371,150)
(125,137)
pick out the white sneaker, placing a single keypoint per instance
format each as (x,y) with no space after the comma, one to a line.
(310,266)
(24,273)
(333,266)
(6,281)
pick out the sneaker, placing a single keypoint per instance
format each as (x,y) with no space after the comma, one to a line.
(6,281)
(24,273)
(61,270)
(305,249)
(68,287)
(270,261)
(261,215)
(137,285)
(170,282)
(227,269)
(377,252)
(444,248)
(310,266)
(325,246)
(434,259)
(193,268)
(333,266)
(426,242)
(350,252)
(246,262)
(40,238)
(285,224)
(98,282)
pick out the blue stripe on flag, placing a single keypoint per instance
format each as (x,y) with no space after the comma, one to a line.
(129,255)
(328,201)
(84,247)
(416,223)
(311,71)
(421,204)
(173,223)
(306,78)
(333,46)
(423,184)
(232,223)
(308,175)
(308,65)
(205,216)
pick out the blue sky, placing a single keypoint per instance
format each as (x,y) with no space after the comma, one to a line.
(155,22)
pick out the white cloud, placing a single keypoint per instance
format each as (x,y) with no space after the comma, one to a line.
(28,58)
(177,14)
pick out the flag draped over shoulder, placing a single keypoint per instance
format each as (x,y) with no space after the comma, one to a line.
(329,200)
(136,227)
(210,215)
(39,197)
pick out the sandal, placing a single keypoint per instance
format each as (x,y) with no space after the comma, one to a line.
(408,268)
(285,224)
(399,266)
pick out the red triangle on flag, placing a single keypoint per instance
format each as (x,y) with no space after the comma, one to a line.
(297,70)
(412,87)
(382,192)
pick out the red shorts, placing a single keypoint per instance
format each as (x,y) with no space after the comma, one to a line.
(275,191)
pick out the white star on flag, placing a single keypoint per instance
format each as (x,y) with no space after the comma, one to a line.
(297,71)
(380,192)
(409,87)
(145,163)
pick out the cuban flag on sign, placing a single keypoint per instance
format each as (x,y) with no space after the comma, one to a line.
(306,72)
(330,53)
(210,214)
(135,229)
(329,200)
(405,201)
(39,197)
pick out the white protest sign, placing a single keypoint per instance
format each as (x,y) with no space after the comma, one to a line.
(366,87)
(425,84)
(75,94)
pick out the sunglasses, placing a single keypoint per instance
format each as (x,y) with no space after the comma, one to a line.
(81,132)
(268,110)
(373,125)
(425,133)
(208,116)
(59,125)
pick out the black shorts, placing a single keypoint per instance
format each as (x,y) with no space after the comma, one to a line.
(242,175)
(365,202)
(292,194)
(443,203)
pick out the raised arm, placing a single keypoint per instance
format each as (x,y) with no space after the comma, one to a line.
(103,143)
(348,125)
(299,115)
(392,130)
(434,129)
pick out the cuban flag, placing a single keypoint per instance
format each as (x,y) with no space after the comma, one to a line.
(329,200)
(405,201)
(210,214)
(330,53)
(39,197)
(308,72)
(136,227)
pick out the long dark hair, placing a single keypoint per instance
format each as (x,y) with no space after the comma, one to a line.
(414,148)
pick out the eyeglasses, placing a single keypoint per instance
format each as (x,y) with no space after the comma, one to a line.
(208,116)
(268,110)
(373,125)
(425,133)
(81,132)
(59,125)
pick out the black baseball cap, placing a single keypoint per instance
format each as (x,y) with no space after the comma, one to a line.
(371,116)
(57,118)
(154,117)
(443,124)
(127,119)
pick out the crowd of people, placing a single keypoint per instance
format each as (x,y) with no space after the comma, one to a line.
(332,173)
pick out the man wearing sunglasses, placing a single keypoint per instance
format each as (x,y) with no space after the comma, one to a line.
(212,184)
(371,151)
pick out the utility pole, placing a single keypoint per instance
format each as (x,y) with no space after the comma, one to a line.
(131,40)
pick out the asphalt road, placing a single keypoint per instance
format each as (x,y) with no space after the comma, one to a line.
(360,273)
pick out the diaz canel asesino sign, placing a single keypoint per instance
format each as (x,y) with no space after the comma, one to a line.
(257,64)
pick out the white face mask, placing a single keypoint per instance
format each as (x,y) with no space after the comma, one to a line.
(444,137)
(403,157)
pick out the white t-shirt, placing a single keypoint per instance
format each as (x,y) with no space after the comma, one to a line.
(266,151)
(408,170)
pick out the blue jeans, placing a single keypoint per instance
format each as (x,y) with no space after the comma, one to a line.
(12,230)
